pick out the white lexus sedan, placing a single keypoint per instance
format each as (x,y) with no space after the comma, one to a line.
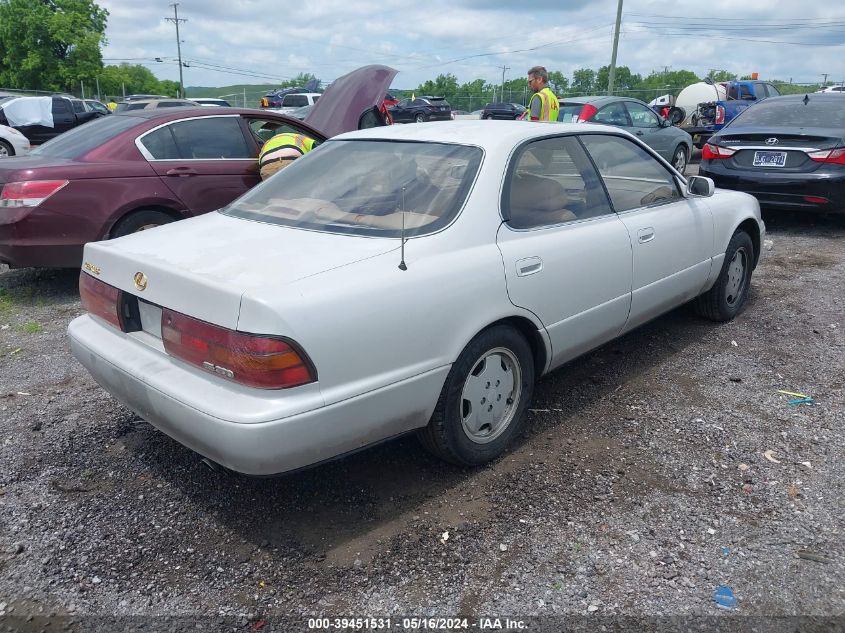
(404,278)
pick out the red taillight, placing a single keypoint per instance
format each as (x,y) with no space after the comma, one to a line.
(100,299)
(835,156)
(720,115)
(816,200)
(715,152)
(587,113)
(29,193)
(257,361)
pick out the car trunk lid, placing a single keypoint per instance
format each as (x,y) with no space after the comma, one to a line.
(203,266)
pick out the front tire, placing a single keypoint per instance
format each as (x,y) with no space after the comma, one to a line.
(728,295)
(484,400)
(6,149)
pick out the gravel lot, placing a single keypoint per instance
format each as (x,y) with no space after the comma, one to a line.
(642,485)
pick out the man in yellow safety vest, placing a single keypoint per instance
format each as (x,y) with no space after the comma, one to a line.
(543,105)
(281,150)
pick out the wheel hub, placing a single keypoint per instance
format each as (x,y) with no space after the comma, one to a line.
(736,277)
(490,395)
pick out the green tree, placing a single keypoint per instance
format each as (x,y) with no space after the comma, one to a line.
(625,83)
(50,44)
(583,81)
(557,82)
(721,75)
(443,86)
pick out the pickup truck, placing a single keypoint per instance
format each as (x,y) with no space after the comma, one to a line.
(705,118)
(40,119)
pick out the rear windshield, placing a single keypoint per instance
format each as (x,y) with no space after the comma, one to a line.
(816,113)
(568,112)
(81,140)
(367,188)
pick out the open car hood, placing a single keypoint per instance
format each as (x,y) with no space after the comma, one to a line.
(340,107)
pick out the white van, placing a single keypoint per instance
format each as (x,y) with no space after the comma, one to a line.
(294,101)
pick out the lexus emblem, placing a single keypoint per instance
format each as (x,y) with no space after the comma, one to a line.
(140,280)
(771,141)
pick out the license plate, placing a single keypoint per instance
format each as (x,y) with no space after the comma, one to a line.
(769,159)
(150,318)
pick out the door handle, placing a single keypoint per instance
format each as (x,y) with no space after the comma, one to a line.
(528,266)
(645,235)
(639,133)
(181,171)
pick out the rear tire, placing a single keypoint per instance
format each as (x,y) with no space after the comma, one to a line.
(420,118)
(728,295)
(484,400)
(680,158)
(140,221)
(487,117)
(6,150)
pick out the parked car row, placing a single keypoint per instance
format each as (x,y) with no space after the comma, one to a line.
(40,119)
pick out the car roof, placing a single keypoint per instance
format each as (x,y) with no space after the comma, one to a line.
(476,132)
(165,115)
(597,99)
(812,96)
(146,101)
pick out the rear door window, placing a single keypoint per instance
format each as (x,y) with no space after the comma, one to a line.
(613,114)
(61,106)
(206,138)
(552,182)
(78,106)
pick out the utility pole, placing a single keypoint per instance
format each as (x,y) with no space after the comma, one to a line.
(504,68)
(176,19)
(612,74)
(825,78)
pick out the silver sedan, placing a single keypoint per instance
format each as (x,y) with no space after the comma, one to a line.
(404,279)
(672,143)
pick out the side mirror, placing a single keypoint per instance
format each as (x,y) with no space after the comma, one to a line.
(700,187)
(665,122)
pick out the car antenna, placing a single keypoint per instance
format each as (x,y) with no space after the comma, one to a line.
(402,265)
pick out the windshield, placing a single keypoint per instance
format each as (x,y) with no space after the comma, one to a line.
(81,140)
(363,187)
(816,113)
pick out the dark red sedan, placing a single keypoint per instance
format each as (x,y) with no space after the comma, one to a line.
(137,170)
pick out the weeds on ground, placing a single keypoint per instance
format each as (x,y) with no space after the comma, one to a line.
(30,327)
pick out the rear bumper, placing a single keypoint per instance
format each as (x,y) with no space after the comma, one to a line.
(782,190)
(27,239)
(252,431)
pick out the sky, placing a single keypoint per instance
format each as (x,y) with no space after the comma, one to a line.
(227,42)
